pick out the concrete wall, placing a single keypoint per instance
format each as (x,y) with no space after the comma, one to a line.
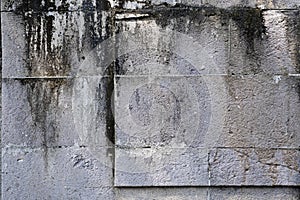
(150,99)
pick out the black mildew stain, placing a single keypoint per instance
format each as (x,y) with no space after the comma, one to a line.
(43,98)
(43,58)
(110,122)
(251,24)
(296,25)
(187,19)
(298,89)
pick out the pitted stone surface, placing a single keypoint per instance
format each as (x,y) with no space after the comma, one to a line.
(56,112)
(161,193)
(248,166)
(150,99)
(161,167)
(254,193)
(68,173)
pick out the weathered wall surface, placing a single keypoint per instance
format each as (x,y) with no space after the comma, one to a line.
(150,99)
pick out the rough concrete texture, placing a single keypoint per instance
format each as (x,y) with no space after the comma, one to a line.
(150,99)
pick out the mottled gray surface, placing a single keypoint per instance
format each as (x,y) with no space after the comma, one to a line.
(254,167)
(150,99)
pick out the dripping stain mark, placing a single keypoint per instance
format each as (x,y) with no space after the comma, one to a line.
(43,99)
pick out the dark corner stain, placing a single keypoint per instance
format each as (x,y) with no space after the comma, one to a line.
(298,89)
(181,12)
(297,49)
(249,20)
(251,24)
(43,98)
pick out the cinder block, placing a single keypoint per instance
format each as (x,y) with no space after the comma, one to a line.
(259,167)
(144,167)
(60,173)
(57,112)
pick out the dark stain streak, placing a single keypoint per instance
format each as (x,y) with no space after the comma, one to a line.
(251,24)
(42,96)
(40,52)
(297,49)
(49,31)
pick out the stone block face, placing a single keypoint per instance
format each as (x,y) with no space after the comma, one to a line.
(51,5)
(57,44)
(261,112)
(269,47)
(56,112)
(168,111)
(246,166)
(68,173)
(161,193)
(150,99)
(254,193)
(75,5)
(175,42)
(13,45)
(161,167)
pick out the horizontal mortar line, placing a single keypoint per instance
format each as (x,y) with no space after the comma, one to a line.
(19,12)
(56,77)
(206,148)
(200,7)
(173,75)
(260,148)
(206,186)
(37,77)
(203,75)
(50,147)
(138,11)
(145,75)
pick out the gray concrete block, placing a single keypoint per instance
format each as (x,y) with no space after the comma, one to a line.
(259,167)
(143,167)
(165,193)
(254,193)
(56,44)
(61,173)
(57,112)
(261,112)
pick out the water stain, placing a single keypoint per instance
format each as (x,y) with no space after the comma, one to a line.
(43,99)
